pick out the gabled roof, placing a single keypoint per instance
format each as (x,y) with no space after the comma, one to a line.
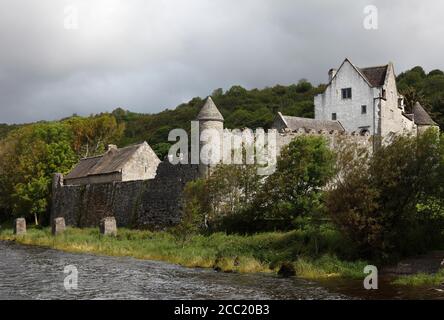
(210,112)
(83,168)
(375,75)
(296,123)
(422,118)
(112,161)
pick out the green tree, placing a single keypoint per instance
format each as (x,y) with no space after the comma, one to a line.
(304,167)
(195,201)
(91,135)
(412,96)
(28,159)
(386,204)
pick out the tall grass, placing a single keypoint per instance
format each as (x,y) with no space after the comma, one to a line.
(421,279)
(263,252)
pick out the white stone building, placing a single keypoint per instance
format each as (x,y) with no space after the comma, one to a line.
(367,101)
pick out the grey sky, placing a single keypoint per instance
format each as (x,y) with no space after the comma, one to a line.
(148,55)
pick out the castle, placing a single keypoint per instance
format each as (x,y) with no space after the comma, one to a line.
(360,102)
(133,185)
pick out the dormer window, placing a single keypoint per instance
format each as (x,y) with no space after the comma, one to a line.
(347,93)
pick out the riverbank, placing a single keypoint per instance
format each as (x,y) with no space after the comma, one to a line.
(264,252)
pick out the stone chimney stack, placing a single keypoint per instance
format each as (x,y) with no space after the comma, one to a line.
(331,74)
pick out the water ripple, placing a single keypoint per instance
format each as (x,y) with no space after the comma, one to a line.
(37,273)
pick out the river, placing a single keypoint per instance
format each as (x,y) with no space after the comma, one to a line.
(38,273)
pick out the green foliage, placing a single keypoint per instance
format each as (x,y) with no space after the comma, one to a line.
(91,135)
(226,195)
(161,149)
(390,206)
(421,279)
(236,199)
(5,129)
(194,213)
(28,158)
(231,253)
(295,189)
(428,89)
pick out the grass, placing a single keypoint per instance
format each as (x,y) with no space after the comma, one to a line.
(263,252)
(421,279)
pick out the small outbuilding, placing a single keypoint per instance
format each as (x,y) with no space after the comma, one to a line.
(136,162)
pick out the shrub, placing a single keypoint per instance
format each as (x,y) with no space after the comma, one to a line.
(389,205)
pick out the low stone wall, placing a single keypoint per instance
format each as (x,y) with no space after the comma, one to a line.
(145,204)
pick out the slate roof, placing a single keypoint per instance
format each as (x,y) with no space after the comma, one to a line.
(375,75)
(296,123)
(422,118)
(210,112)
(112,161)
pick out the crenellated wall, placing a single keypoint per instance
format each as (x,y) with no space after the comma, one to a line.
(334,138)
(145,204)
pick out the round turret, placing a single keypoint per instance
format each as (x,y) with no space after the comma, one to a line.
(211,127)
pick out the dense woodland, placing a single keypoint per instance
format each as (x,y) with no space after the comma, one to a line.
(31,153)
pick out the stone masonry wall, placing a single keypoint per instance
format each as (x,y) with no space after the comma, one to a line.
(144,204)
(334,140)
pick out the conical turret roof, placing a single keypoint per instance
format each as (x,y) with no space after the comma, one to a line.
(422,118)
(210,112)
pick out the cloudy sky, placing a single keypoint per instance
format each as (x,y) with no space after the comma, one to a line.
(62,57)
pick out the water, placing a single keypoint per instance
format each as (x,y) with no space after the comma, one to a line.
(37,273)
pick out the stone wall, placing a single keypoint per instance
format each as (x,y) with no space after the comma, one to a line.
(334,140)
(145,204)
(392,118)
(142,165)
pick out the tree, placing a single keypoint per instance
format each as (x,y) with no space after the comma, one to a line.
(91,135)
(303,86)
(385,205)
(304,167)
(412,96)
(162,149)
(195,203)
(28,160)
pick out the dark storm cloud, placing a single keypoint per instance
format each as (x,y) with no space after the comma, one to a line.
(150,55)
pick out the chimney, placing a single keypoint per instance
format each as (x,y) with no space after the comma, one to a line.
(331,74)
(111,147)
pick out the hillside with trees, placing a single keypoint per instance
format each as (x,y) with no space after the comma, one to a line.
(30,153)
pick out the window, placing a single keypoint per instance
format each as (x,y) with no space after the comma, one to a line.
(334,116)
(347,93)
(363,109)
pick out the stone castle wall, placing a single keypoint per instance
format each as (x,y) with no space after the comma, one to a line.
(150,204)
(145,204)
(334,139)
